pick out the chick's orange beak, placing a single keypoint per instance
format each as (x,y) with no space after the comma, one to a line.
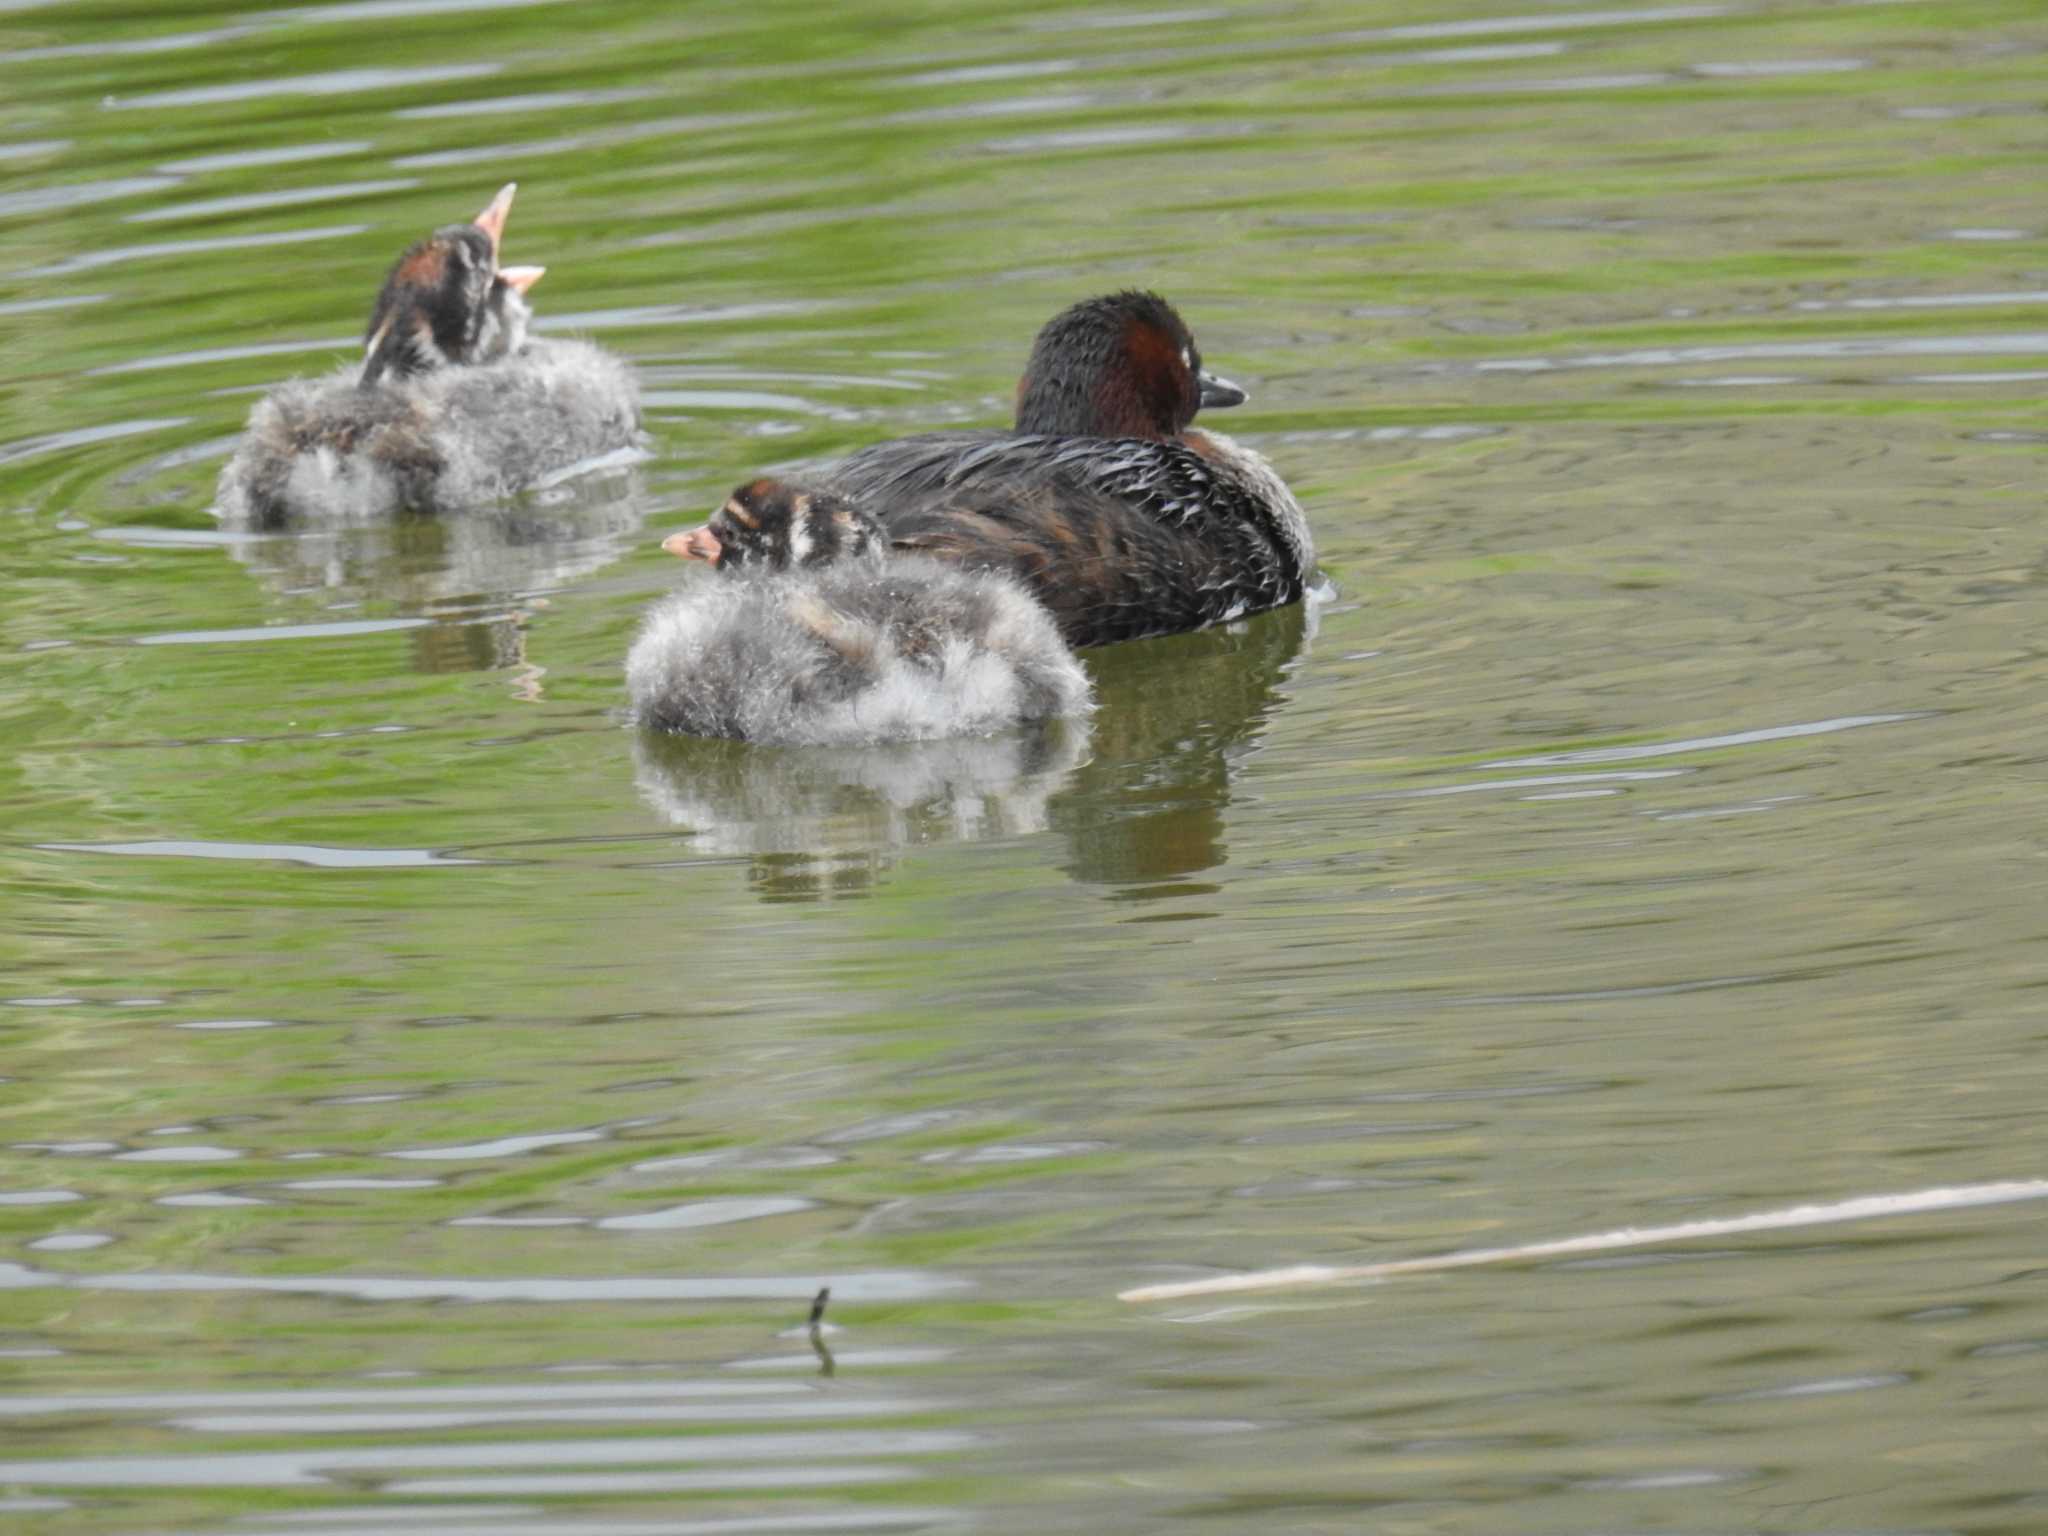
(697,544)
(492,220)
(519,279)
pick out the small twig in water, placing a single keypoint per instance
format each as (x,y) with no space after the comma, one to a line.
(827,1366)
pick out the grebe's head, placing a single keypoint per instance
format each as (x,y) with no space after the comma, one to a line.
(1123,365)
(447,301)
(770,525)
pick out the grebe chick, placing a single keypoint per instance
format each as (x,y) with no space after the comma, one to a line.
(813,634)
(453,405)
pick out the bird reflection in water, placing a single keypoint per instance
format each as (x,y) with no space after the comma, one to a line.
(1176,717)
(821,822)
(1138,792)
(472,576)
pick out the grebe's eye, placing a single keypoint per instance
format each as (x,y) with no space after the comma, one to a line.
(1187,358)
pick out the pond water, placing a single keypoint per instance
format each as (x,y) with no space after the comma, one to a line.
(424,1105)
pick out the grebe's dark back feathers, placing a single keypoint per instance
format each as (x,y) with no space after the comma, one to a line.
(1120,538)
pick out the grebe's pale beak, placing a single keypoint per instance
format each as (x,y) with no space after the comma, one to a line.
(697,544)
(492,220)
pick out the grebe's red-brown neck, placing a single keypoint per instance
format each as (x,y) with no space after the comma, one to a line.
(1123,365)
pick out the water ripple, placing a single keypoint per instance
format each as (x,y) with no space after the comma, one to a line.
(109,256)
(208,1199)
(400,10)
(174,42)
(978,74)
(333,629)
(223,355)
(1764,69)
(291,853)
(381,1398)
(708,1213)
(250,159)
(82,437)
(1707,743)
(1110,21)
(1116,136)
(533,102)
(340,82)
(1999,345)
(504,1146)
(768,1159)
(1560,21)
(256,202)
(43,306)
(1560,84)
(773,1402)
(652,315)
(1484,786)
(1019,106)
(1824,1387)
(794,1476)
(742,400)
(284,1469)
(463,1520)
(2014,376)
(871,1285)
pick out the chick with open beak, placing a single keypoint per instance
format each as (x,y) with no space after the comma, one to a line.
(448,301)
(452,406)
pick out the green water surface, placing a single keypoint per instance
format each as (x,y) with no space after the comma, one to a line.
(427,1106)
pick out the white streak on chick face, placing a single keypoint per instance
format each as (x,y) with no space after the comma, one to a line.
(429,350)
